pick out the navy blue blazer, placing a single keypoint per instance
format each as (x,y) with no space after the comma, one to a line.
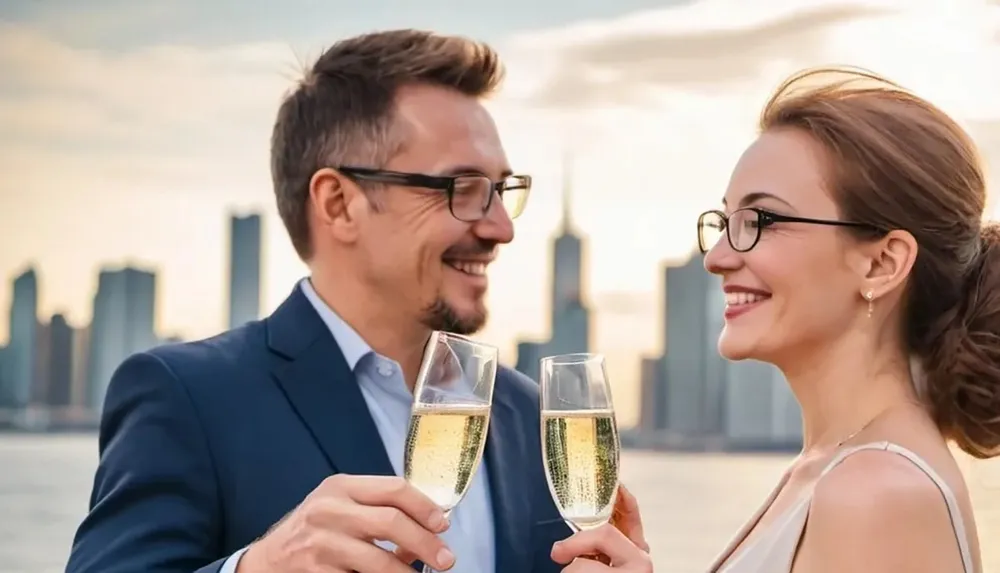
(205,445)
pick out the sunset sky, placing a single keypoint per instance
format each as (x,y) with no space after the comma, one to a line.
(130,130)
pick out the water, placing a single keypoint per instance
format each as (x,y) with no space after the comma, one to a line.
(691,504)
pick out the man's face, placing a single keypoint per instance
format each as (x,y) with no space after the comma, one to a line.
(421,260)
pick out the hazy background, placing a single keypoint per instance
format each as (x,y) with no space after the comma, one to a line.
(129,130)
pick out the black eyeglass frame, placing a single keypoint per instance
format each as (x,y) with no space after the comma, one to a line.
(766,219)
(446,183)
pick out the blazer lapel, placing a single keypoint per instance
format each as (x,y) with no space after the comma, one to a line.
(511,512)
(321,388)
(313,374)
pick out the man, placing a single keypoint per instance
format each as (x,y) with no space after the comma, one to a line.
(273,447)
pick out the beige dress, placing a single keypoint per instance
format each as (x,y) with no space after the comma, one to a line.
(773,550)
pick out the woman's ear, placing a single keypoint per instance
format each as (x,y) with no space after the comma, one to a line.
(889,262)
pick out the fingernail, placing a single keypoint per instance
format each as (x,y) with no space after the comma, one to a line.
(444,559)
(439,522)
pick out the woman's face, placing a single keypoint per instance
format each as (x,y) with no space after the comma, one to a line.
(794,291)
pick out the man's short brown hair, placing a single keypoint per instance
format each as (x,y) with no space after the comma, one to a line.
(341,113)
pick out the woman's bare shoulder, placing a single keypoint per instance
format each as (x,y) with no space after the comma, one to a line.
(876,511)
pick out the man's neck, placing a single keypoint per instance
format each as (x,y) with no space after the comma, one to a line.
(388,332)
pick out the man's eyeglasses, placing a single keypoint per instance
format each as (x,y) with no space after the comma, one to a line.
(469,196)
(743,227)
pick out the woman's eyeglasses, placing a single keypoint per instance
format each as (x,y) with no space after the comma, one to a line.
(743,227)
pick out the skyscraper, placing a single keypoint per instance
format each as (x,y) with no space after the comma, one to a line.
(3,374)
(529,354)
(123,324)
(760,409)
(569,316)
(80,369)
(19,359)
(694,371)
(43,365)
(652,395)
(58,391)
(244,269)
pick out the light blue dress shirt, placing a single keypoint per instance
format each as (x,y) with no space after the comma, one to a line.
(471,535)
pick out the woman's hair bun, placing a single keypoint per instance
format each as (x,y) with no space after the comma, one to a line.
(963,367)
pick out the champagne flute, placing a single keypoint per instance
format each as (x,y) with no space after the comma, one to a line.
(580,444)
(450,418)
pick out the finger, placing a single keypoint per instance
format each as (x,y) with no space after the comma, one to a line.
(587,566)
(368,523)
(363,557)
(405,556)
(395,492)
(391,524)
(605,540)
(628,519)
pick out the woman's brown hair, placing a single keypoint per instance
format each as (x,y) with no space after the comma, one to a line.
(898,162)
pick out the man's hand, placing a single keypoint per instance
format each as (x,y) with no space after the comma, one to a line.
(334,530)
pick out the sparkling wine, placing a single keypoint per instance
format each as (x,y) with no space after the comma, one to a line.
(443,450)
(580,449)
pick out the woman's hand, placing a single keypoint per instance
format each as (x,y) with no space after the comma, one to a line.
(620,543)
(625,516)
(606,540)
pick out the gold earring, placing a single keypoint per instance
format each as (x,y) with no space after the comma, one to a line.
(870,297)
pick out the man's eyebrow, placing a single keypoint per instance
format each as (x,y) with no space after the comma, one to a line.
(472,170)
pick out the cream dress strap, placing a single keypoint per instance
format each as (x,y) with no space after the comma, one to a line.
(773,551)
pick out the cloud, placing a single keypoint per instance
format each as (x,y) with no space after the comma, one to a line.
(172,116)
(104,18)
(636,55)
(721,45)
(174,87)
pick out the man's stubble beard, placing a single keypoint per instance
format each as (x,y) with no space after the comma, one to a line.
(441,316)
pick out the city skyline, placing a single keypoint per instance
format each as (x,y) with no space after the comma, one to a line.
(131,294)
(53,375)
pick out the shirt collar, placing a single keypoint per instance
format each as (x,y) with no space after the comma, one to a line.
(350,342)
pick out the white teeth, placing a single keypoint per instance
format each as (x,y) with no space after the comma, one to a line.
(735,298)
(469,268)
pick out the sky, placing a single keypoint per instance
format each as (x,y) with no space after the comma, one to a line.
(130,131)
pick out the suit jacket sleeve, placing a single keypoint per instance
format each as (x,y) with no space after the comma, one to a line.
(155,505)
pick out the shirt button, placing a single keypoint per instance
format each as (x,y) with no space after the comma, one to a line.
(384,369)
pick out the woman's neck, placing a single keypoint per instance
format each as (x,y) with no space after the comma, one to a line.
(844,386)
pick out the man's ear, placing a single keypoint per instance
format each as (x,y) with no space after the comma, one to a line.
(334,200)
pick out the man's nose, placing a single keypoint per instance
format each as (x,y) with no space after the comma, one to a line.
(496,224)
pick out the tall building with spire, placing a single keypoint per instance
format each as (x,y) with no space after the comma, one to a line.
(568,315)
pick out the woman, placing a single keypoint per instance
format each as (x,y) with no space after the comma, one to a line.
(853,256)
